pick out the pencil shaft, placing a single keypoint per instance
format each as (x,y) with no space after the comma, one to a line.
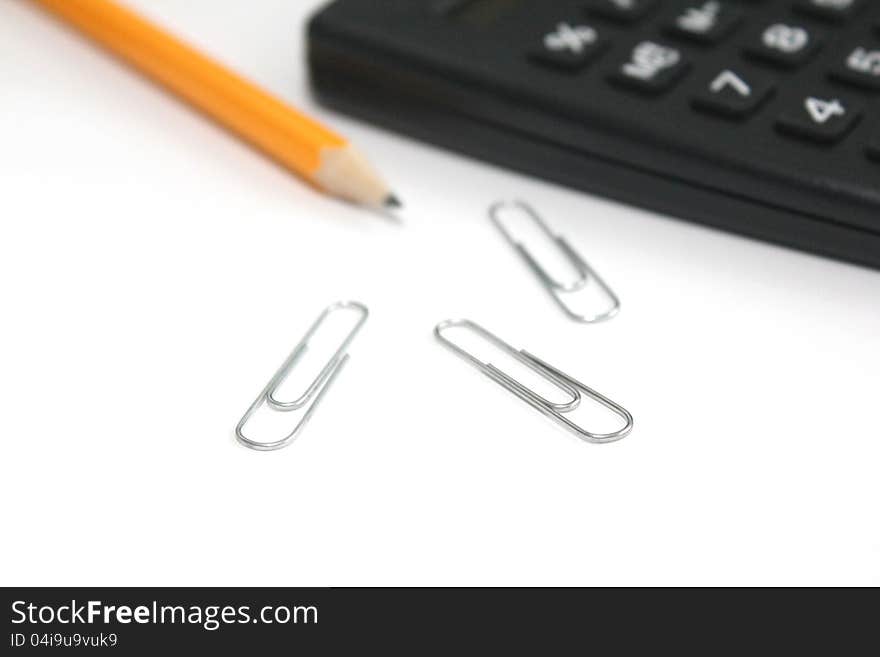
(293,139)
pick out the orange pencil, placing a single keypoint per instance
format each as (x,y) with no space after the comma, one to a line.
(299,143)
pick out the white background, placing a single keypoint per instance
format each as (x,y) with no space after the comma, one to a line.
(156,271)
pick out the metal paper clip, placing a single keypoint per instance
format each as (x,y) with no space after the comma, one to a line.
(557,289)
(555,412)
(314,392)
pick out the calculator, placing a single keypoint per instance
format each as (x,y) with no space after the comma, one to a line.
(760,117)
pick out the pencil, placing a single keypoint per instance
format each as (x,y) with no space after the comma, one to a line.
(299,143)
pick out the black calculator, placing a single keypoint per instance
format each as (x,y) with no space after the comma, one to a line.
(760,117)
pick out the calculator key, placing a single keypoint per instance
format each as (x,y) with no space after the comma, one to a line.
(627,11)
(733,94)
(651,68)
(784,44)
(831,10)
(706,22)
(568,47)
(861,68)
(820,118)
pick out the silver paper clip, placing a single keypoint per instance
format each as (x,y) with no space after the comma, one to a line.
(560,380)
(314,392)
(558,290)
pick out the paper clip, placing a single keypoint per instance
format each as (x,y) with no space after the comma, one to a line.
(314,392)
(557,289)
(555,412)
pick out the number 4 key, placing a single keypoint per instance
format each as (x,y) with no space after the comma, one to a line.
(820,119)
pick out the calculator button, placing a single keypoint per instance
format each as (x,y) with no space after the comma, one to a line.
(568,47)
(651,68)
(784,44)
(626,11)
(733,94)
(832,10)
(820,118)
(861,68)
(706,22)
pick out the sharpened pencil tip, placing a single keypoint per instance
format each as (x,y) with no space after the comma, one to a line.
(392,202)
